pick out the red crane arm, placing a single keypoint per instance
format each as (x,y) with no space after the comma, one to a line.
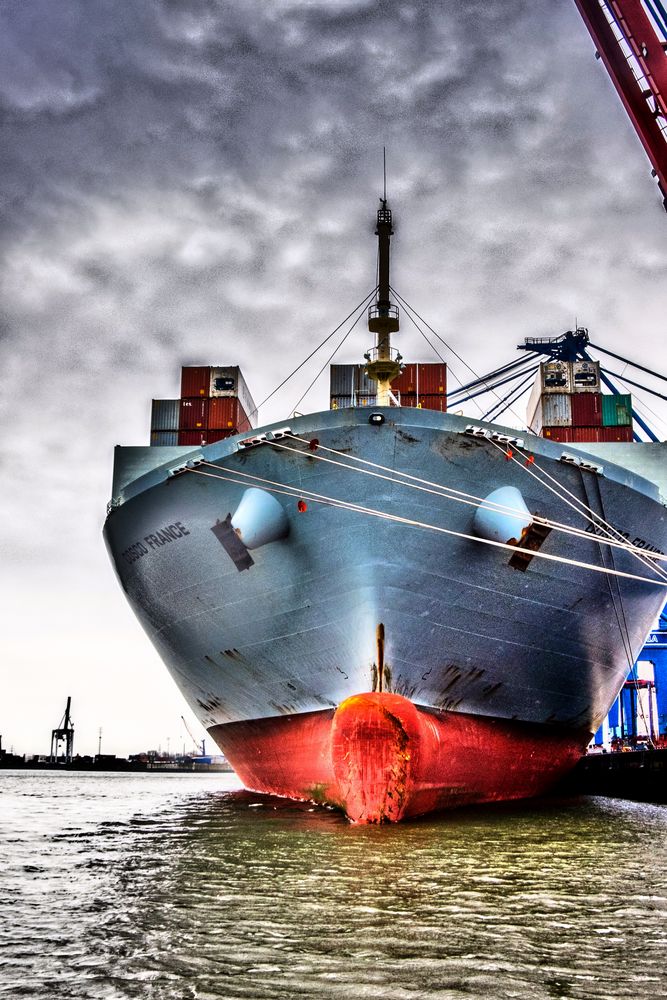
(636,61)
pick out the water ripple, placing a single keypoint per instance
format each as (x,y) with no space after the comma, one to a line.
(167,887)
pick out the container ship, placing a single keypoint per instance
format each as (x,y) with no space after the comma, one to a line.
(383,606)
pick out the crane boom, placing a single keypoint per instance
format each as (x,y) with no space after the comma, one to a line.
(628,42)
(200,749)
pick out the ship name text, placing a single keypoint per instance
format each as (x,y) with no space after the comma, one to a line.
(638,542)
(155,540)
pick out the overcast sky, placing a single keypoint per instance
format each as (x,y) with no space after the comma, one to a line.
(196,182)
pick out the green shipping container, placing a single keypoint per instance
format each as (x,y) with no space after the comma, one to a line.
(617,410)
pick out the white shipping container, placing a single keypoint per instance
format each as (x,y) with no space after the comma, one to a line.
(585,376)
(553,409)
(228,380)
(552,376)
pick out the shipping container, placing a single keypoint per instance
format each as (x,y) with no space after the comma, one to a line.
(340,402)
(195,381)
(585,376)
(555,376)
(621,433)
(557,433)
(583,435)
(422,402)
(586,409)
(227,413)
(617,410)
(350,380)
(417,378)
(163,439)
(193,438)
(194,414)
(552,409)
(421,379)
(552,377)
(228,381)
(213,436)
(165,414)
(342,380)
(343,402)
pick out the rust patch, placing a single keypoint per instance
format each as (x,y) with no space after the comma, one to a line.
(233,654)
(407,437)
(490,689)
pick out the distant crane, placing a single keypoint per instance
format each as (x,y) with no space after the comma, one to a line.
(63,734)
(630,37)
(200,750)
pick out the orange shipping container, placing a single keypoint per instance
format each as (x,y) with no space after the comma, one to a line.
(225,413)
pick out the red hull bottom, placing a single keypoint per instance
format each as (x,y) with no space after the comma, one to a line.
(380,758)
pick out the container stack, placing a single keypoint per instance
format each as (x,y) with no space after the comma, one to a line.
(566,404)
(215,403)
(420,385)
(165,416)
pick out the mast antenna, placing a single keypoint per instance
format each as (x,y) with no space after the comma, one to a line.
(383,362)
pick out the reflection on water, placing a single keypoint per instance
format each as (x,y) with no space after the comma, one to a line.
(169,887)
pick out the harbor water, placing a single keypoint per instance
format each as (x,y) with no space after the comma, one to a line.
(184,887)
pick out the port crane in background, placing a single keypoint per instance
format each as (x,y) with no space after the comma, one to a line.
(630,38)
(200,749)
(573,345)
(517,376)
(63,734)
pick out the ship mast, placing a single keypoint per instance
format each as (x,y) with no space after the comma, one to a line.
(383,363)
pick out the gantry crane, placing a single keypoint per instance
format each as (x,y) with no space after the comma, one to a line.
(630,37)
(64,733)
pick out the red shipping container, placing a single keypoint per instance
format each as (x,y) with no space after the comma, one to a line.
(563,434)
(422,379)
(586,409)
(424,402)
(194,414)
(213,436)
(194,438)
(195,381)
(225,413)
(406,381)
(622,433)
(582,435)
